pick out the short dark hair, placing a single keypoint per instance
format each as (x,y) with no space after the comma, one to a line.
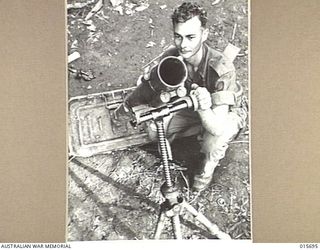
(188,10)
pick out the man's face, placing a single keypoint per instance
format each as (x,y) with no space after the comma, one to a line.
(189,36)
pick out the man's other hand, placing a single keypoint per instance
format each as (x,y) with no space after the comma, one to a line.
(202,95)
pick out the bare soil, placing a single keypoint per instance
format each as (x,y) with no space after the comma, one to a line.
(117,196)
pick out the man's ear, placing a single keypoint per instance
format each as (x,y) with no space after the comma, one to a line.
(205,34)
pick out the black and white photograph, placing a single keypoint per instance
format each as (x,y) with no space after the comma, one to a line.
(158,120)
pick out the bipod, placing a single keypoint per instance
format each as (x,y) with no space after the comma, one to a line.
(174,204)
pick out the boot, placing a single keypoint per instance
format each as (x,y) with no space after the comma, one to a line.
(203,179)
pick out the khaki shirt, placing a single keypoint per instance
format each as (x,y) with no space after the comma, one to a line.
(217,73)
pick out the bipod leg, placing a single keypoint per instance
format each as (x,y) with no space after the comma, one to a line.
(160,224)
(213,228)
(176,226)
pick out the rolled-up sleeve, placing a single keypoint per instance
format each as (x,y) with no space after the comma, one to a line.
(223,97)
(226,90)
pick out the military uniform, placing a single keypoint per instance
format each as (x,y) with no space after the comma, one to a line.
(216,73)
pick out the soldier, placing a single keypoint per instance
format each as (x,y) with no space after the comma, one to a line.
(212,81)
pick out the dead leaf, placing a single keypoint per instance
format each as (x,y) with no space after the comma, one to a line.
(150,44)
(74,44)
(75,55)
(129,12)
(115,3)
(78,5)
(216,2)
(119,9)
(142,7)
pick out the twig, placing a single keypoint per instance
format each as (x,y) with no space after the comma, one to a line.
(94,10)
(215,2)
(234,31)
(187,183)
(241,55)
(234,226)
(185,179)
(195,197)
(238,236)
(101,18)
(71,158)
(140,173)
(151,188)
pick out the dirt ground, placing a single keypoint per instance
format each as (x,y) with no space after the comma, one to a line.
(116,196)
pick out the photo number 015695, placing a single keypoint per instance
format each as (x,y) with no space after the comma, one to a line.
(158,120)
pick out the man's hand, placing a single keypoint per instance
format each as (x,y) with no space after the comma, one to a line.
(122,113)
(202,95)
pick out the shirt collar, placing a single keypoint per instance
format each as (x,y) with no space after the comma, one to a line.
(203,63)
